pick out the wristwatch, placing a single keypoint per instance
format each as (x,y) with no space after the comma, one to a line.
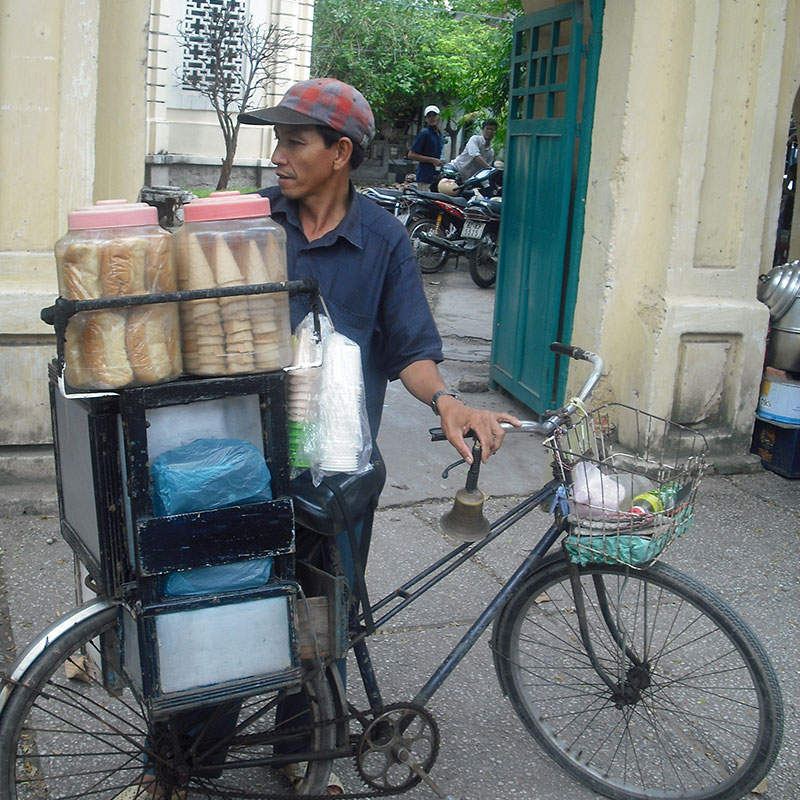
(439,394)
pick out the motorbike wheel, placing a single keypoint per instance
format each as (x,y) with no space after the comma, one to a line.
(430,258)
(483,262)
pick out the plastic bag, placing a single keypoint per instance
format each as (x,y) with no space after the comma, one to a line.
(594,493)
(336,437)
(303,389)
(209,473)
(219,578)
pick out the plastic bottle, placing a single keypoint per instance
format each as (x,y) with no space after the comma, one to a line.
(648,503)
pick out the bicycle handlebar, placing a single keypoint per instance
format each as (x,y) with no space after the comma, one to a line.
(563,413)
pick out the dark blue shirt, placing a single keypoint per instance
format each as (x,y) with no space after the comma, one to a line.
(428,143)
(370,282)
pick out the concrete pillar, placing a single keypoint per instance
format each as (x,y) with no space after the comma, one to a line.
(691,114)
(72,77)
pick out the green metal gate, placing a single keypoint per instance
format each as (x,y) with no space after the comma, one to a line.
(553,80)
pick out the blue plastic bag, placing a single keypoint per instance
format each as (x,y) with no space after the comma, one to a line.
(209,473)
(219,578)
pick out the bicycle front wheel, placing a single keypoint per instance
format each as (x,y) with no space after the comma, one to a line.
(63,735)
(690,706)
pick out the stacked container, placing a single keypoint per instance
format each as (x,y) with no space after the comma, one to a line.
(116,249)
(228,240)
(776,437)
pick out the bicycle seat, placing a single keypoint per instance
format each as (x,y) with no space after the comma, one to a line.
(316,507)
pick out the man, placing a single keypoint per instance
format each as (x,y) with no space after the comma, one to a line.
(478,154)
(359,254)
(427,148)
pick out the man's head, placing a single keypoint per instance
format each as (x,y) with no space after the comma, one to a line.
(489,129)
(335,107)
(432,115)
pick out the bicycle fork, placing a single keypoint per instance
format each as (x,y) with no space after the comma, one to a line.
(626,687)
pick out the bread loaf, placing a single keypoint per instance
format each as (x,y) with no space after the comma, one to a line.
(122,271)
(159,269)
(80,271)
(76,372)
(104,349)
(147,340)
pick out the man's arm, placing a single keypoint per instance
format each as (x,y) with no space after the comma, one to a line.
(423,380)
(473,148)
(412,156)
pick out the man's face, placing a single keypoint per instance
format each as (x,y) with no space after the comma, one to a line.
(304,164)
(488,132)
(431,119)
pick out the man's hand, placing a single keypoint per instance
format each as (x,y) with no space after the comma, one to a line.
(458,419)
(423,380)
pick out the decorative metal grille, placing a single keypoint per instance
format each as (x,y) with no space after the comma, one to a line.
(204,44)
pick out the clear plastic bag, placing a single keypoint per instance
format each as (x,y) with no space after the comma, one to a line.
(336,436)
(207,474)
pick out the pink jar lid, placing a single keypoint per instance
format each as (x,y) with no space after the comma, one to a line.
(226,205)
(113,215)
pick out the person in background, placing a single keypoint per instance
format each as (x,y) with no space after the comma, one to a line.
(427,148)
(478,154)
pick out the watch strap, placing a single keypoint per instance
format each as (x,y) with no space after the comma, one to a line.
(439,394)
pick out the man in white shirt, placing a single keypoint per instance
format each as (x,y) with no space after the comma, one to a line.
(478,154)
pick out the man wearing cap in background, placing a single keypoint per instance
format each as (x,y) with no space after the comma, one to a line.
(362,259)
(427,148)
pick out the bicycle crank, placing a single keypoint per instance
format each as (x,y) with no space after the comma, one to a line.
(398,749)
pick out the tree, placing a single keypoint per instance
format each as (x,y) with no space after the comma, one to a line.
(403,54)
(230,61)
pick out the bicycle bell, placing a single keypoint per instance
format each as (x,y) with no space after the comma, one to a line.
(465,521)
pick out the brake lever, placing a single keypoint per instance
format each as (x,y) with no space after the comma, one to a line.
(447,469)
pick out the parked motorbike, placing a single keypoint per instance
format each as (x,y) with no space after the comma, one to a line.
(482,224)
(396,201)
(435,228)
(461,227)
(488,182)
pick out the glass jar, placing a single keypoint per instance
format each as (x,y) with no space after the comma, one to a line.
(229,239)
(116,249)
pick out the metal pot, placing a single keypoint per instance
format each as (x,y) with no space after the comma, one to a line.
(779,288)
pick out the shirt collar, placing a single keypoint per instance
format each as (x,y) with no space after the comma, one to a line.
(349,228)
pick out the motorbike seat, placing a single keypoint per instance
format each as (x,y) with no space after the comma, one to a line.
(461,202)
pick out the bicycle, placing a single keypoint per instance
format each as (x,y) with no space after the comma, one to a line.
(637,679)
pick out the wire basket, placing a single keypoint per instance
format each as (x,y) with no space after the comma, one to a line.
(632,480)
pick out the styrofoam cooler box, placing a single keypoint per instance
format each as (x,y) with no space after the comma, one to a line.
(200,650)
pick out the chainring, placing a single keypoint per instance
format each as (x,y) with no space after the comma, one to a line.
(399,733)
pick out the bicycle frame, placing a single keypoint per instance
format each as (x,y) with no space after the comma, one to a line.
(444,567)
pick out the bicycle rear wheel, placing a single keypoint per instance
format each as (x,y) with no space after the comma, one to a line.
(694,709)
(67,737)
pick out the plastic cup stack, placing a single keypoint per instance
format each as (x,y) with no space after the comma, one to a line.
(302,388)
(341,439)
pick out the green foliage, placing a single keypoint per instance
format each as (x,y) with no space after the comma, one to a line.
(403,54)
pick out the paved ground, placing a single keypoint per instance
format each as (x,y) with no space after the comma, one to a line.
(745,545)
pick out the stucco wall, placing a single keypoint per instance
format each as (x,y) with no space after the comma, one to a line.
(72,99)
(690,124)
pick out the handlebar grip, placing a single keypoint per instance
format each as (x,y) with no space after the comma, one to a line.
(437,434)
(577,353)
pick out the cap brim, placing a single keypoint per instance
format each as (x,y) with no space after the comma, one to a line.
(277,115)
